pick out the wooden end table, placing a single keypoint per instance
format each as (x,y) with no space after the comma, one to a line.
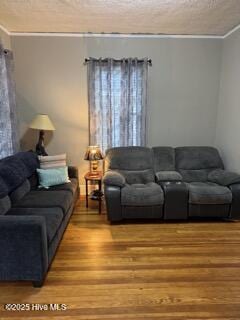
(97,179)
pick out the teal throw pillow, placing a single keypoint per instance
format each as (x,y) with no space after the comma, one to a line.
(52,177)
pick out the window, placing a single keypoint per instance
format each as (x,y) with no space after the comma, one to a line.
(117,102)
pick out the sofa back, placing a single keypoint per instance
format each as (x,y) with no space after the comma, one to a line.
(194,163)
(5,203)
(135,163)
(163,158)
(31,162)
(14,174)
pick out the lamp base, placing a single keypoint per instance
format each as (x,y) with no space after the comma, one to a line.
(40,150)
(93,168)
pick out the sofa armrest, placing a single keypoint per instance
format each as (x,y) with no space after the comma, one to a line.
(73,172)
(235,207)
(113,202)
(163,176)
(23,248)
(114,178)
(223,177)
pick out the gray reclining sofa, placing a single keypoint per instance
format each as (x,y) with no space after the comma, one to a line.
(169,183)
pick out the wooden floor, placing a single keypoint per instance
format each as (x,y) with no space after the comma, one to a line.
(169,271)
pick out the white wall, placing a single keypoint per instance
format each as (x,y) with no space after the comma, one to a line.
(183,88)
(228,119)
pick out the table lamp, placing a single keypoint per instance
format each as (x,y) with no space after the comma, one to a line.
(41,122)
(93,154)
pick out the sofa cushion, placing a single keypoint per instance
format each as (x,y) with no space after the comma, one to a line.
(195,175)
(195,158)
(33,180)
(149,194)
(129,158)
(223,177)
(46,199)
(195,163)
(168,176)
(133,177)
(3,188)
(70,187)
(114,178)
(208,193)
(163,158)
(52,216)
(20,191)
(5,205)
(30,161)
(13,172)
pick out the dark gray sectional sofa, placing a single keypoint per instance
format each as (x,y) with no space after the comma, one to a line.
(169,183)
(32,220)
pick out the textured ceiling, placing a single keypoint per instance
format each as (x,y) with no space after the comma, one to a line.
(196,17)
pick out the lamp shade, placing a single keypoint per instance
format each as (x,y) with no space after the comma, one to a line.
(93,153)
(42,122)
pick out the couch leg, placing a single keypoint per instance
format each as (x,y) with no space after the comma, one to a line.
(38,284)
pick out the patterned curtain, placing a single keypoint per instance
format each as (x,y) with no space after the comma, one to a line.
(9,142)
(117,96)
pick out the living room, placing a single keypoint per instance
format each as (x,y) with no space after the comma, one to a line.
(140,102)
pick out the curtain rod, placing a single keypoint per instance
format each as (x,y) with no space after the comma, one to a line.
(118,60)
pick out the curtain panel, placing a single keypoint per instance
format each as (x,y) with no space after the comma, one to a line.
(9,143)
(117,96)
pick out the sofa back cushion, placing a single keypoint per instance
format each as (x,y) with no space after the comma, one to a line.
(30,161)
(129,158)
(34,181)
(3,188)
(135,177)
(5,205)
(16,169)
(20,191)
(195,163)
(12,172)
(134,163)
(164,158)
